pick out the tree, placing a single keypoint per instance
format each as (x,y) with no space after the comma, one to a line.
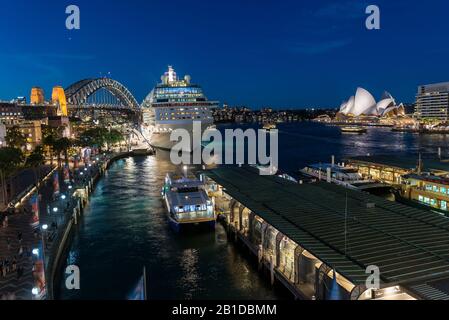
(94,137)
(35,160)
(15,138)
(62,146)
(49,136)
(112,137)
(10,160)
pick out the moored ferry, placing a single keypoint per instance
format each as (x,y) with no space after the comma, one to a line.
(425,190)
(345,176)
(187,202)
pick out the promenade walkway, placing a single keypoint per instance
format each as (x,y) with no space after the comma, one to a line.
(18,238)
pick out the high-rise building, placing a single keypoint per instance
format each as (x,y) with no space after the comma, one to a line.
(432,101)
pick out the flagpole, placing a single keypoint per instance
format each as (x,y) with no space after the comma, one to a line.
(145,282)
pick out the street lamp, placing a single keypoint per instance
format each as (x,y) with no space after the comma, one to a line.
(63,197)
(55,210)
(36,292)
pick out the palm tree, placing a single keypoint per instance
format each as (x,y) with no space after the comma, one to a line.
(66,144)
(35,160)
(10,160)
(62,146)
(49,136)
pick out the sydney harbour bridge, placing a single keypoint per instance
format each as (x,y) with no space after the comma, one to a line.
(105,100)
(101,95)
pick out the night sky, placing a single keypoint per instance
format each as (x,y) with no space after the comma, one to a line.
(255,53)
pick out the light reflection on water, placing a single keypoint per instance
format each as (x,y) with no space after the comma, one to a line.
(125,226)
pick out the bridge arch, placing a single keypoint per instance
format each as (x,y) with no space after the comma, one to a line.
(78,93)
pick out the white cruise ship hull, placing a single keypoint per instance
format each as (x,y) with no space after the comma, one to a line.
(161,139)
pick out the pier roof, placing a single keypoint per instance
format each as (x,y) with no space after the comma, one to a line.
(408,245)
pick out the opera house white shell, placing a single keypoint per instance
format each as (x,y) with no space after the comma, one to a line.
(364,104)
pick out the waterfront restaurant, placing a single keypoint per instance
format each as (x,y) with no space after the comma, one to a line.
(390,168)
(321,240)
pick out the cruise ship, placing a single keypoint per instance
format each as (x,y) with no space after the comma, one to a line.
(173,104)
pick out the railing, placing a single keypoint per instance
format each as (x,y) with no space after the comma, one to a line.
(198,215)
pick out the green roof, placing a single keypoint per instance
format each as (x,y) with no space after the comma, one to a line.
(407,244)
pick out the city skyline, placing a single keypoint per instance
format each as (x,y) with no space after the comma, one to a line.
(240,53)
(220,159)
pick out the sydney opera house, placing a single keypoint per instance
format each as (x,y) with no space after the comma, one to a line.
(363,104)
(362,108)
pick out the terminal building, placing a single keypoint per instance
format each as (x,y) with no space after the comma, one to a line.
(323,241)
(432,102)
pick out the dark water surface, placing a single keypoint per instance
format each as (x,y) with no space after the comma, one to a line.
(125,227)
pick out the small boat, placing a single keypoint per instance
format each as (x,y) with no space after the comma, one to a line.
(187,202)
(269,126)
(209,130)
(404,129)
(353,129)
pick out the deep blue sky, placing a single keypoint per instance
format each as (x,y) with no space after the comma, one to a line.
(244,52)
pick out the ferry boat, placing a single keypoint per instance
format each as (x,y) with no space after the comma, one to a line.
(345,176)
(353,129)
(187,202)
(269,126)
(425,191)
(405,129)
(175,104)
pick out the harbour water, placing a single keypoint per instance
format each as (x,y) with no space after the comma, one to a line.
(125,226)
